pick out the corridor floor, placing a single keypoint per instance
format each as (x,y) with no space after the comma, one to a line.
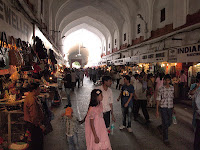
(144,137)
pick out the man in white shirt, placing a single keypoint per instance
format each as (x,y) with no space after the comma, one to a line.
(107,99)
(140,92)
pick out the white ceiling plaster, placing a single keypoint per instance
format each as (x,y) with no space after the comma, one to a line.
(65,26)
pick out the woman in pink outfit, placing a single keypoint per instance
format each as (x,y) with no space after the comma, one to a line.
(159,83)
(95,130)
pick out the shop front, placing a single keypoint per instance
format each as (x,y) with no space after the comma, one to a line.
(187,58)
(153,62)
(27,57)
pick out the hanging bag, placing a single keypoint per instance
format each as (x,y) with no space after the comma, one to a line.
(14,54)
(4,60)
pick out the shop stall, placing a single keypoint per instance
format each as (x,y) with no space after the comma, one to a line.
(20,65)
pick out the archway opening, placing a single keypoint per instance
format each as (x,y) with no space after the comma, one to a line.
(76,64)
(85,40)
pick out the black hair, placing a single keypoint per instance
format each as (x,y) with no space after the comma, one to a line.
(136,75)
(106,78)
(140,76)
(167,76)
(182,71)
(161,75)
(93,100)
(34,86)
(130,72)
(127,78)
(149,76)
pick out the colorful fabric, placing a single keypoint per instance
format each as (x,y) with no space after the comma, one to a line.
(96,113)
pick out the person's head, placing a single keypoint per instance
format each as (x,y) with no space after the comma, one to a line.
(167,79)
(96,97)
(69,112)
(140,78)
(35,88)
(107,80)
(130,73)
(66,70)
(136,76)
(182,71)
(151,77)
(161,75)
(127,79)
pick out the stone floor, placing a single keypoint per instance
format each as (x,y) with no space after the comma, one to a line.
(143,137)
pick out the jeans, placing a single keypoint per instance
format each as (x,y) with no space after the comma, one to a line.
(117,83)
(73,142)
(68,90)
(166,115)
(127,111)
(197,136)
(143,104)
(106,117)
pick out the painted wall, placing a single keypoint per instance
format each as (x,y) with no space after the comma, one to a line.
(157,7)
(116,44)
(125,31)
(194,6)
(14,23)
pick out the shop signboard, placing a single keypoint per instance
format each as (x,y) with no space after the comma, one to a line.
(159,56)
(13,23)
(190,53)
(119,62)
(172,55)
(133,60)
(104,63)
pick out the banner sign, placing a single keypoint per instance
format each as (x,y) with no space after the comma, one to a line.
(133,59)
(119,62)
(190,53)
(14,23)
(160,56)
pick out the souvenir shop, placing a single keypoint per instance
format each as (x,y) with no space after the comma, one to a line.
(26,56)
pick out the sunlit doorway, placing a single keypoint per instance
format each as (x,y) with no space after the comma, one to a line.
(76,65)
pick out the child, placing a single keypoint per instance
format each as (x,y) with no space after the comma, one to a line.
(71,128)
(165,103)
(95,129)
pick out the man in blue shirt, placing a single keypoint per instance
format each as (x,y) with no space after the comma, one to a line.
(126,95)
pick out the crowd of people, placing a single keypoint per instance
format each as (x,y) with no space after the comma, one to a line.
(137,91)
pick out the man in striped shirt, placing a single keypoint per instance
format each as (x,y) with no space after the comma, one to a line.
(165,104)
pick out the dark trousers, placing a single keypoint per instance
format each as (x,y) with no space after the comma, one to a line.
(143,105)
(197,136)
(127,111)
(117,83)
(182,93)
(36,136)
(166,115)
(106,117)
(78,80)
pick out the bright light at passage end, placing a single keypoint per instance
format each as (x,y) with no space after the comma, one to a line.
(89,40)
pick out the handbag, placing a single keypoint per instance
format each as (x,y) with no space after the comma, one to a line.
(14,54)
(4,60)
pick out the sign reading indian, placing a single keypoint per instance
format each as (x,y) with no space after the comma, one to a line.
(189,53)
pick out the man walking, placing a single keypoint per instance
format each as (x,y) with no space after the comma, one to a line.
(126,95)
(68,84)
(107,100)
(140,92)
(165,104)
